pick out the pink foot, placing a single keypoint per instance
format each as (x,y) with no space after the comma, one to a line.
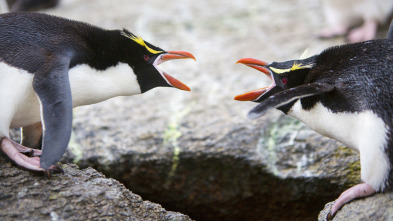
(27,150)
(360,190)
(335,31)
(11,149)
(363,33)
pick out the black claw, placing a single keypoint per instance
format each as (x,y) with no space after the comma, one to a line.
(47,173)
(58,169)
(329,216)
(29,153)
(53,169)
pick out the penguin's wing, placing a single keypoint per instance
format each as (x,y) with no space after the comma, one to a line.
(390,32)
(52,86)
(287,96)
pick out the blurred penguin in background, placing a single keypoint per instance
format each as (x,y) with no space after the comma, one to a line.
(30,5)
(358,20)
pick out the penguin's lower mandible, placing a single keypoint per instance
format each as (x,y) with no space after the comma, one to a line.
(345,93)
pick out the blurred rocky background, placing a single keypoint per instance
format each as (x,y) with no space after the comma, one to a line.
(197,153)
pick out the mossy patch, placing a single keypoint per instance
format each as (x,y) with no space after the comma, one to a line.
(280,133)
(352,169)
(75,149)
(171,136)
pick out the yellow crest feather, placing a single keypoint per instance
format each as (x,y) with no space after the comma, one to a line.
(295,66)
(279,71)
(306,54)
(140,41)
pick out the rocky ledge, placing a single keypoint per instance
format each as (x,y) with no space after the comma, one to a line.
(75,195)
(377,207)
(272,169)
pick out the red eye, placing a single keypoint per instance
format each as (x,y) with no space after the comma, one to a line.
(146,57)
(284,80)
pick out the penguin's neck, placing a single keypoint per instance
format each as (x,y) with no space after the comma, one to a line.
(89,85)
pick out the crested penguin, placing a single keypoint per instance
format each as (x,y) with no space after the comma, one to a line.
(358,20)
(49,64)
(344,93)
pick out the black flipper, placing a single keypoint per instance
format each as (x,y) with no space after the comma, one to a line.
(287,96)
(390,32)
(52,86)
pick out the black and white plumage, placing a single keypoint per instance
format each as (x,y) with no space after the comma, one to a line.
(48,65)
(345,93)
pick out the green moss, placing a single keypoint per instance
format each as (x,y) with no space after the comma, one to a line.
(352,169)
(353,175)
(54,196)
(171,136)
(343,151)
(274,135)
(75,149)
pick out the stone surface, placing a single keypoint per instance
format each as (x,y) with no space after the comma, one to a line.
(75,195)
(378,207)
(273,169)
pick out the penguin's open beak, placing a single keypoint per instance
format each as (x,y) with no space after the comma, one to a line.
(255,94)
(172,55)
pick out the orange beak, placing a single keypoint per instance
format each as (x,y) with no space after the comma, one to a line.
(252,95)
(258,65)
(172,55)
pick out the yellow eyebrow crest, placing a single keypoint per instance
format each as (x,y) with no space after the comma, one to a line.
(140,41)
(295,66)
(280,71)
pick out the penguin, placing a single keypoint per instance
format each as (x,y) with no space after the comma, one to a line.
(344,93)
(49,64)
(30,5)
(358,20)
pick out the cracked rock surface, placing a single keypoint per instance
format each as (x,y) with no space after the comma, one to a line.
(75,195)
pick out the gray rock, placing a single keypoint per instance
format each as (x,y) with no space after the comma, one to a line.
(378,207)
(272,169)
(74,195)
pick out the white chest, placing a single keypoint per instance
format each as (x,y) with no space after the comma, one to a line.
(350,129)
(363,131)
(19,103)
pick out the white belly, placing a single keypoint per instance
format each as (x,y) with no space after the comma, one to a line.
(350,129)
(19,103)
(363,131)
(339,126)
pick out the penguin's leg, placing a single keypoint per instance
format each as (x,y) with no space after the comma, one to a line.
(30,152)
(374,163)
(31,140)
(52,86)
(31,163)
(360,190)
(363,33)
(334,31)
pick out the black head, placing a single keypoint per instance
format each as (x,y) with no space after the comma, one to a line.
(284,75)
(144,59)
